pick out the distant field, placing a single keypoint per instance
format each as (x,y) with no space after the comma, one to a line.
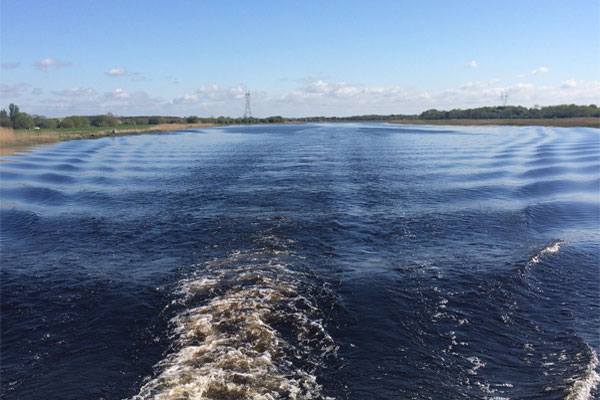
(558,122)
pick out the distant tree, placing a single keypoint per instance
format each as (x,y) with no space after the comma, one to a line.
(193,119)
(155,120)
(49,123)
(13,110)
(276,119)
(80,122)
(104,120)
(5,121)
(66,123)
(174,120)
(23,121)
(37,119)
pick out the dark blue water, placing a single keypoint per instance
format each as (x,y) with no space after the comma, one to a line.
(350,261)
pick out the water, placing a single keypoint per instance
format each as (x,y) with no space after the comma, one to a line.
(346,261)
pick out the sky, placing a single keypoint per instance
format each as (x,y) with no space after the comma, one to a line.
(296,58)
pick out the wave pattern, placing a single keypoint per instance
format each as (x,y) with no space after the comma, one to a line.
(347,261)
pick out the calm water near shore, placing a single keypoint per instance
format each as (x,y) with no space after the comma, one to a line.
(343,261)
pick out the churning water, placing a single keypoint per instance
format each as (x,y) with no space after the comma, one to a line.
(350,261)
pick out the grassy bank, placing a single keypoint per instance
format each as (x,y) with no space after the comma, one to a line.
(18,140)
(556,122)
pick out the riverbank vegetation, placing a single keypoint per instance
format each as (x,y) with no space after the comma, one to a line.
(561,115)
(19,129)
(14,118)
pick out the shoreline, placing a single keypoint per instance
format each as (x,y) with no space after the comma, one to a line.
(12,141)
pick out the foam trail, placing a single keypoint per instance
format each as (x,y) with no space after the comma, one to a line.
(581,389)
(253,335)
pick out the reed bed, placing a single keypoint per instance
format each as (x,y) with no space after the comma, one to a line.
(12,141)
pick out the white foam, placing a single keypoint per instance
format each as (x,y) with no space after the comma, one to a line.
(581,389)
(477,363)
(231,345)
(551,249)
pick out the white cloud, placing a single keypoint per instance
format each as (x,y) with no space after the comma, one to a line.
(212,95)
(472,64)
(14,90)
(37,91)
(122,71)
(325,98)
(187,99)
(10,65)
(51,62)
(118,94)
(312,97)
(121,101)
(116,71)
(540,70)
(75,92)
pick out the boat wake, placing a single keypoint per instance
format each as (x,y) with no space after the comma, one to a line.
(581,386)
(247,331)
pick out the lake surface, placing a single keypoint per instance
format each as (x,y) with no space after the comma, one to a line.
(346,261)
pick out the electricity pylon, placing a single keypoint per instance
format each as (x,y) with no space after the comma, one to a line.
(504,97)
(247,111)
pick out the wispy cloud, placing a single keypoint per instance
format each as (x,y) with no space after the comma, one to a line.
(85,100)
(540,70)
(122,71)
(10,65)
(310,98)
(116,71)
(75,92)
(187,99)
(345,99)
(51,62)
(321,97)
(136,76)
(131,102)
(37,91)
(211,94)
(14,90)
(472,64)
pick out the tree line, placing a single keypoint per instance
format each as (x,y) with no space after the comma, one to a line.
(500,112)
(14,118)
(515,112)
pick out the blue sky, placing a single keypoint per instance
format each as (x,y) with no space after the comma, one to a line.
(297,58)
